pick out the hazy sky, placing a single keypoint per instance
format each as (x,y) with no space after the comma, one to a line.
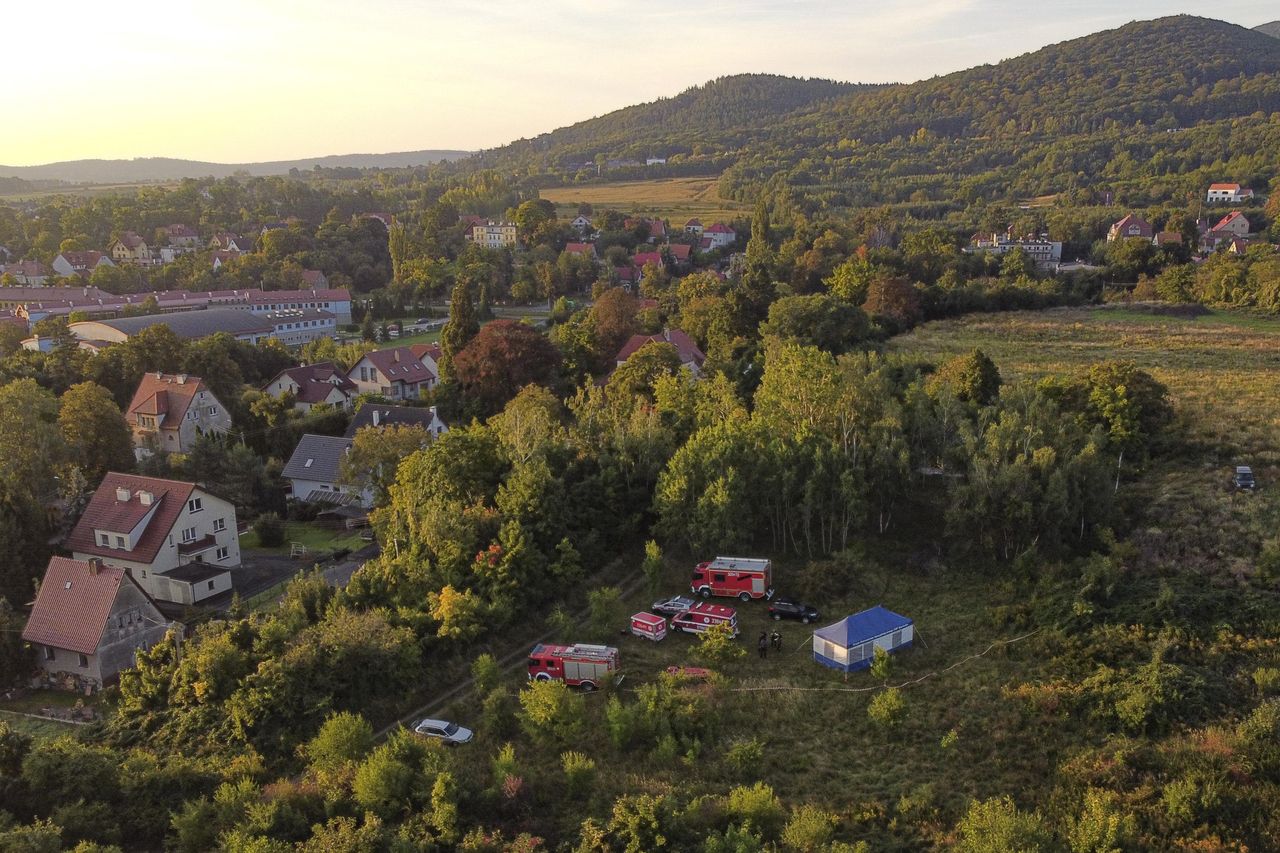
(247,80)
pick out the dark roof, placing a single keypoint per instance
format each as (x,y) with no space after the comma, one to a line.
(105,510)
(73,604)
(318,458)
(864,626)
(316,381)
(195,572)
(399,364)
(193,324)
(389,416)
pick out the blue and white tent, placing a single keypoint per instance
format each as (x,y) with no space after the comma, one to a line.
(850,644)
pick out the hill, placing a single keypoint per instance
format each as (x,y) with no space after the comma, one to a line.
(695,117)
(1271,29)
(167,169)
(1106,106)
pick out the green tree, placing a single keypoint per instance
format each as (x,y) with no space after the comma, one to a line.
(344,739)
(972,377)
(607,613)
(997,826)
(717,645)
(551,712)
(94,432)
(375,455)
(463,325)
(654,567)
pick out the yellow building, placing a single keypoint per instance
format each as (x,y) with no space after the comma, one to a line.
(494,235)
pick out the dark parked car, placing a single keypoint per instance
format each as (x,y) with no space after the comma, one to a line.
(673,606)
(785,608)
(1244,478)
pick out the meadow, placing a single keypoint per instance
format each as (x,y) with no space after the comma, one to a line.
(674,199)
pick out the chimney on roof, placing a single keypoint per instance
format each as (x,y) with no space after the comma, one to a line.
(123,494)
(146,498)
(182,379)
(376,419)
(396,354)
(95,565)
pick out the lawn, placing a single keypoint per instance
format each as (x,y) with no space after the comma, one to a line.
(675,199)
(318,539)
(38,729)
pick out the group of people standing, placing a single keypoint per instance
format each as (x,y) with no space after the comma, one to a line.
(767,640)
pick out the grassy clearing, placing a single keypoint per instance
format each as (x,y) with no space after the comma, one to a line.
(318,539)
(38,729)
(676,199)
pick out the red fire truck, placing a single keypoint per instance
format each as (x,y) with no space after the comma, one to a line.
(579,665)
(743,577)
(702,616)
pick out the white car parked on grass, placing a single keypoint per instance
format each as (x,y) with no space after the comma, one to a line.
(450,733)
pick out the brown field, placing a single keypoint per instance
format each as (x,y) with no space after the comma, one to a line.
(675,199)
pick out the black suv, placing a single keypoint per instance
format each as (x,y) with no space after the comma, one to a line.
(785,608)
(1244,478)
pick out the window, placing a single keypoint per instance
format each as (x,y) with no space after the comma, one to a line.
(104,539)
(195,504)
(219,524)
(119,541)
(210,584)
(189,535)
(213,410)
(49,653)
(220,554)
(84,661)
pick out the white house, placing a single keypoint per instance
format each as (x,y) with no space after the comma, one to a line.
(178,541)
(315,469)
(169,413)
(397,374)
(1228,194)
(313,385)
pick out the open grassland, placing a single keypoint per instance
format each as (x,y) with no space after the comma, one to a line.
(675,199)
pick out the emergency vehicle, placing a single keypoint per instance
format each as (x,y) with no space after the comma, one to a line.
(651,626)
(579,665)
(742,577)
(702,616)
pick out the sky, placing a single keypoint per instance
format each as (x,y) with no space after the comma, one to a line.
(252,80)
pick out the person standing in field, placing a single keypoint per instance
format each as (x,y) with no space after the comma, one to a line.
(763,644)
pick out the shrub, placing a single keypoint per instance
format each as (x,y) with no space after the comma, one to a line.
(810,829)
(497,713)
(579,773)
(887,708)
(607,613)
(343,739)
(1266,679)
(997,826)
(880,664)
(504,764)
(717,645)
(486,674)
(758,805)
(550,711)
(623,722)
(746,756)
(1101,827)
(653,568)
(270,530)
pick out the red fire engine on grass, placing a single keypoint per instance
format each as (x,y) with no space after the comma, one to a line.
(744,578)
(579,665)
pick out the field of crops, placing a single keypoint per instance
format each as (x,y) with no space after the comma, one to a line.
(675,199)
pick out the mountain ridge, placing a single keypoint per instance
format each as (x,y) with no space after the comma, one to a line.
(139,169)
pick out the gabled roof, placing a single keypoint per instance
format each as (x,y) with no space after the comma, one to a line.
(864,626)
(399,364)
(642,259)
(392,416)
(1225,187)
(131,240)
(316,381)
(73,605)
(314,278)
(1230,218)
(1131,219)
(179,230)
(317,457)
(425,351)
(105,510)
(87,259)
(719,228)
(680,251)
(165,394)
(685,346)
(693,222)
(580,248)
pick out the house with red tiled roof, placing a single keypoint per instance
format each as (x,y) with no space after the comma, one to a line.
(585,249)
(88,623)
(130,248)
(80,263)
(26,273)
(1130,226)
(694,227)
(691,356)
(1168,238)
(315,279)
(681,254)
(1228,193)
(1234,223)
(178,541)
(640,260)
(395,373)
(169,412)
(720,235)
(181,235)
(322,383)
(429,355)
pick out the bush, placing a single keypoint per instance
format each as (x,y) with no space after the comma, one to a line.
(809,830)
(607,613)
(717,645)
(746,756)
(997,826)
(270,530)
(343,739)
(498,713)
(486,674)
(550,711)
(1267,679)
(757,804)
(579,773)
(887,708)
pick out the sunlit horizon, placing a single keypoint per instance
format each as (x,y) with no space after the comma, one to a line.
(251,82)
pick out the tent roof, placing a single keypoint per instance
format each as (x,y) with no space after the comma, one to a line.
(863,626)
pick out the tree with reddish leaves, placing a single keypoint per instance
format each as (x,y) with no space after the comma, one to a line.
(614,319)
(502,359)
(895,302)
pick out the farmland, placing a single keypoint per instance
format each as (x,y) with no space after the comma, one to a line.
(676,199)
